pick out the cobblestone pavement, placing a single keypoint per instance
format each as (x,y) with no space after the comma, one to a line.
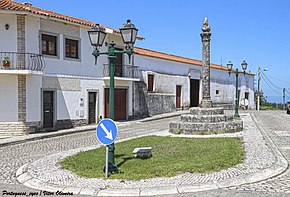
(14,156)
(258,157)
(277,126)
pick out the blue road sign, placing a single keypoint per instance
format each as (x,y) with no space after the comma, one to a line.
(107,131)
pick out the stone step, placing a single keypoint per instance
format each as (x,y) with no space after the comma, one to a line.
(206,111)
(3,136)
(206,128)
(207,118)
(11,133)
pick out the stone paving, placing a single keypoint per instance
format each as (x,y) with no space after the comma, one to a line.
(278,129)
(258,158)
(14,156)
(275,123)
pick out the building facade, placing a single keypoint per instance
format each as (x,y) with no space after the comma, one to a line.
(178,81)
(52,81)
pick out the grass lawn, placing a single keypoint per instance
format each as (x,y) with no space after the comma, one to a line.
(170,156)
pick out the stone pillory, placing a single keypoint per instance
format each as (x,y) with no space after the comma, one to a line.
(206,119)
(205,38)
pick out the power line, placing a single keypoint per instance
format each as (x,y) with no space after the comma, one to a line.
(278,79)
(271,82)
(270,86)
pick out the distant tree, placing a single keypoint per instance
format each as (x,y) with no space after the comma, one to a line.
(263,99)
(264,104)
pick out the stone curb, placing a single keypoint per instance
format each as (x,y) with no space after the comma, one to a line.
(44,136)
(10,141)
(278,168)
(167,115)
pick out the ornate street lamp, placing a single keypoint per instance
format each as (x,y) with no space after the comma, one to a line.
(97,36)
(129,33)
(244,67)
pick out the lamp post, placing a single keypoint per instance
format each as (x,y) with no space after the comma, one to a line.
(244,67)
(97,36)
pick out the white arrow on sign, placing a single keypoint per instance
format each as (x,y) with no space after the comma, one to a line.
(108,134)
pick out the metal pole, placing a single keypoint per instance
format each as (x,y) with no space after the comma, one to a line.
(258,96)
(237,95)
(107,161)
(111,147)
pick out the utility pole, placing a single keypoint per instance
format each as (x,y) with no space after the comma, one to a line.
(284,90)
(258,98)
(259,88)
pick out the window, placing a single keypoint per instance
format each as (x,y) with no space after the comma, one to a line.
(71,48)
(49,44)
(119,64)
(217,92)
(150,82)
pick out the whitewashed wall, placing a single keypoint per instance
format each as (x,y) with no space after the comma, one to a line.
(8,98)
(32,40)
(162,66)
(33,98)
(68,104)
(8,38)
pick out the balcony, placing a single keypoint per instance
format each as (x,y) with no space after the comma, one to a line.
(22,63)
(124,71)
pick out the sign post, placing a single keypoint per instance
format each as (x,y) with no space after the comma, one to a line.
(106,133)
(107,162)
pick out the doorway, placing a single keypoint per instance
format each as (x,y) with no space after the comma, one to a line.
(194,92)
(48,106)
(92,107)
(178,96)
(120,105)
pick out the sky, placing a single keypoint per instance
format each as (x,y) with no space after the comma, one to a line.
(253,30)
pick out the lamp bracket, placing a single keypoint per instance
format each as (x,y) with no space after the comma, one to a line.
(96,54)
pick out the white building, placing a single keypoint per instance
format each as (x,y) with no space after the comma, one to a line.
(53,83)
(178,80)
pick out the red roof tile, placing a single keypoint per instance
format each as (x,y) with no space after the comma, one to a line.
(19,7)
(10,5)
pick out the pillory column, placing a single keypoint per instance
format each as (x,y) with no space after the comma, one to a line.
(205,38)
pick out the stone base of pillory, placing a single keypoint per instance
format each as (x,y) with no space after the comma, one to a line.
(206,121)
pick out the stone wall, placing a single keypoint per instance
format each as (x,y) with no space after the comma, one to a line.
(149,104)
(66,124)
(224,105)
(21,65)
(140,105)
(159,103)
(8,129)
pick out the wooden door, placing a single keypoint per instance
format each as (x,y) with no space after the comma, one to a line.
(178,96)
(150,82)
(92,107)
(48,109)
(120,105)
